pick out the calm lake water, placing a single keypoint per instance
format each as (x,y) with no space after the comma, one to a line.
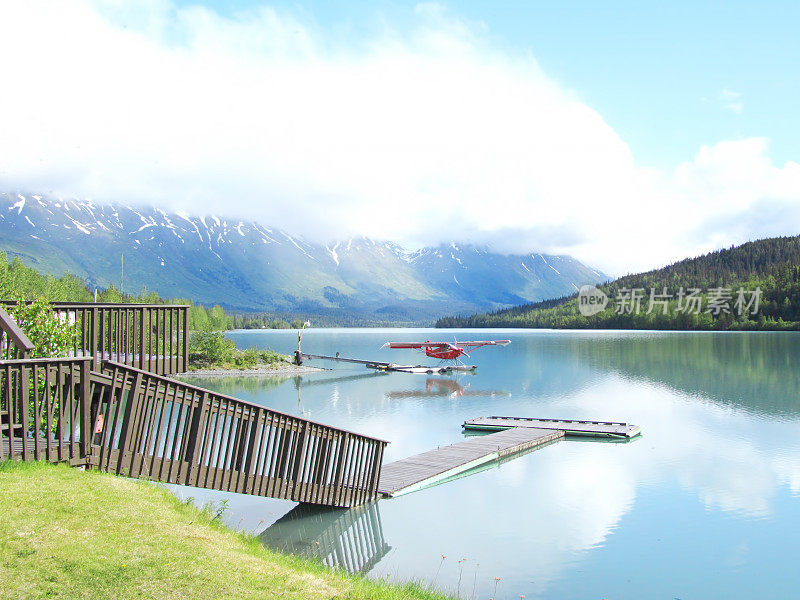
(705,504)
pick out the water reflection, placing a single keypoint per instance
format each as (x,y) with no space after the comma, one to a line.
(754,371)
(445,387)
(319,380)
(237,385)
(315,381)
(341,538)
(713,486)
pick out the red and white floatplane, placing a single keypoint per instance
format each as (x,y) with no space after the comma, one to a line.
(444,351)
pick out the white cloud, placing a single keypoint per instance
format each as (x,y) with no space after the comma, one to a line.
(731,101)
(421,135)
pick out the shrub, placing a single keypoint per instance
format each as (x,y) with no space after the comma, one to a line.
(210,348)
(207,349)
(49,335)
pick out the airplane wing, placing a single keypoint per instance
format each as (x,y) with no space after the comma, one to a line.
(415,345)
(484,343)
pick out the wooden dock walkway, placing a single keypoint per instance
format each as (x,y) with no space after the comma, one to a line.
(426,469)
(570,427)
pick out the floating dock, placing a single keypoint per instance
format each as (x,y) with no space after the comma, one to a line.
(432,467)
(570,427)
(512,435)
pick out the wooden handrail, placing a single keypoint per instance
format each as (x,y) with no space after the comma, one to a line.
(140,424)
(162,429)
(40,361)
(70,304)
(252,405)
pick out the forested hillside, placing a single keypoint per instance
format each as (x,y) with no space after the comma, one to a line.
(752,286)
(18,282)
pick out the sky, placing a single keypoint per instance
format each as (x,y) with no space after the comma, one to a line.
(626,134)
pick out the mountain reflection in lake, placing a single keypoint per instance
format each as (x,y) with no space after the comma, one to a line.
(705,504)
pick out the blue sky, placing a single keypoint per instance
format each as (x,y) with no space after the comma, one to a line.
(626,134)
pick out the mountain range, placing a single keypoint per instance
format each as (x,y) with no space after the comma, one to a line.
(248,266)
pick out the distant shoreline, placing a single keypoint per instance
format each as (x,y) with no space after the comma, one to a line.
(259,371)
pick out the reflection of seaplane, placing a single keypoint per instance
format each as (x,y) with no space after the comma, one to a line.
(446,350)
(448,388)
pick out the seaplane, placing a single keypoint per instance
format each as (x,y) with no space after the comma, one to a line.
(445,351)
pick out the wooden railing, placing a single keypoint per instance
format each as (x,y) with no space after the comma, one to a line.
(153,337)
(13,341)
(45,409)
(130,422)
(111,407)
(158,428)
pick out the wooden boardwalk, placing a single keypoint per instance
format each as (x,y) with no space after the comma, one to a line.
(426,469)
(570,427)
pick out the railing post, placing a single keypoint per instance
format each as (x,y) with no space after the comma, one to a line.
(257,415)
(23,402)
(3,413)
(9,409)
(93,341)
(376,469)
(141,338)
(298,455)
(185,339)
(194,443)
(86,424)
(159,341)
(128,427)
(173,346)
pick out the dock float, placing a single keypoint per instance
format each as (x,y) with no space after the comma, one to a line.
(570,427)
(432,467)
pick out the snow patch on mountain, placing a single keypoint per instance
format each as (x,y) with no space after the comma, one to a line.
(333,253)
(19,205)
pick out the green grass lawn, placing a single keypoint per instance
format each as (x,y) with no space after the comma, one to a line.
(84,534)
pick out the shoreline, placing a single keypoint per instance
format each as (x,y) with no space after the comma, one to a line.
(258,371)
